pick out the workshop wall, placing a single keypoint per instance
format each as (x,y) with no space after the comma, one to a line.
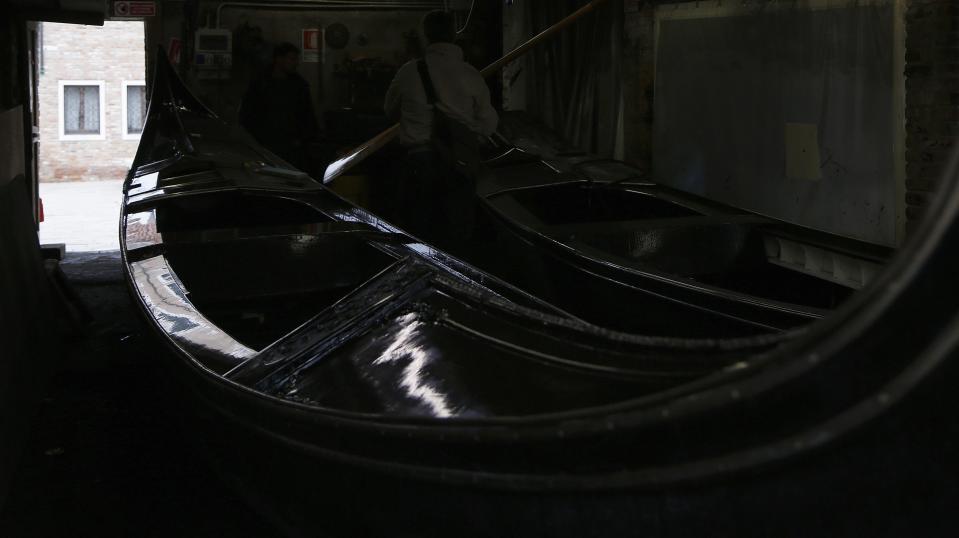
(359,52)
(930,64)
(791,112)
(358,55)
(639,53)
(932,98)
(353,74)
(26,330)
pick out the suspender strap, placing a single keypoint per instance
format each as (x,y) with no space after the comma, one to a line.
(427,81)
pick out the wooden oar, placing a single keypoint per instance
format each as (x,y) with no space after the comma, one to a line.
(358,155)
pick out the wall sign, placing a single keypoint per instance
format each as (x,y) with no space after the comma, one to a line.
(310,44)
(134,8)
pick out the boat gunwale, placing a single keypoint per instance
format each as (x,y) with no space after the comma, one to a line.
(571,252)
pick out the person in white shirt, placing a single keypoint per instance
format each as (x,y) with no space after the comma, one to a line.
(436,202)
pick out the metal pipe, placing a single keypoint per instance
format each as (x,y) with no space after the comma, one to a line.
(328,4)
(469,16)
(535,40)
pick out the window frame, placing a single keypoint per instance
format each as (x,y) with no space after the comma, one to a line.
(123,111)
(102,135)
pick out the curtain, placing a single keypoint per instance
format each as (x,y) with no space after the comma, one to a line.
(71,109)
(136,108)
(574,80)
(91,109)
(81,109)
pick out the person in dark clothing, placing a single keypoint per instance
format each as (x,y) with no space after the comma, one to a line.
(278,111)
(437,199)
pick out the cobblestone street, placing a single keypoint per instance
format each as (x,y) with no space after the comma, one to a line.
(81,214)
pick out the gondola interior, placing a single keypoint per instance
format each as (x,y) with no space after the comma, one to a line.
(638,228)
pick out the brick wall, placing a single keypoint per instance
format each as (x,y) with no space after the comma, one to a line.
(112,53)
(932,97)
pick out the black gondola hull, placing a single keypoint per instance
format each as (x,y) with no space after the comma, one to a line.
(425,397)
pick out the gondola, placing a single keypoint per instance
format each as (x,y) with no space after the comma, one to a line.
(595,237)
(352,380)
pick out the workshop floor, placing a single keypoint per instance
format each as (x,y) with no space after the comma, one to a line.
(109,453)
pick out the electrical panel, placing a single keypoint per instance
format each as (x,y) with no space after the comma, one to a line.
(213,53)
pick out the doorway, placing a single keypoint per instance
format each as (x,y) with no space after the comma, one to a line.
(92,105)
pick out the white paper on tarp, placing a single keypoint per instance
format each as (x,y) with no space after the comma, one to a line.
(784,111)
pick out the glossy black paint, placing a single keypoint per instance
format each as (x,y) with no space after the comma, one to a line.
(261,275)
(435,400)
(598,240)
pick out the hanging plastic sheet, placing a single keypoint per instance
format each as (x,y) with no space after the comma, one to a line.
(795,113)
(573,81)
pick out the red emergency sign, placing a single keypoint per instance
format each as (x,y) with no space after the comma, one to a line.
(134,8)
(311,39)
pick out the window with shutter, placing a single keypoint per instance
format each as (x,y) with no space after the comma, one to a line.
(81,109)
(136,108)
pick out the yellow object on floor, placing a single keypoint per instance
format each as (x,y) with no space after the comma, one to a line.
(353,188)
